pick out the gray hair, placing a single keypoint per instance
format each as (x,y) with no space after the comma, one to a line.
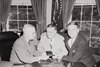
(26,27)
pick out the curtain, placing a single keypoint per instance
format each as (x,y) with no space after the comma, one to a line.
(67,10)
(4,10)
(39,8)
(56,17)
(98,5)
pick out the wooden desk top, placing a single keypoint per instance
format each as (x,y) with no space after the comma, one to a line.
(48,63)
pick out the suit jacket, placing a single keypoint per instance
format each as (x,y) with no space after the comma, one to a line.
(79,52)
(22,51)
(58,45)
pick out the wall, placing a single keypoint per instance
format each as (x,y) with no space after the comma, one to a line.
(77,2)
(20,2)
(85,2)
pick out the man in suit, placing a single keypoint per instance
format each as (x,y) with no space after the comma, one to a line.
(24,50)
(78,47)
(52,41)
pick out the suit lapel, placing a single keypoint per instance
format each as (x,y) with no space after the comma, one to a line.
(67,46)
(74,46)
(26,44)
(66,43)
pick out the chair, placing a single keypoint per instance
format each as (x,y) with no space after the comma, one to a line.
(6,42)
(6,64)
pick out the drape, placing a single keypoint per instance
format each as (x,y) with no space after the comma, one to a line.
(98,5)
(67,10)
(39,8)
(4,10)
(56,17)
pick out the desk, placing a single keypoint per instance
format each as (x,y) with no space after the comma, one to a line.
(52,65)
(48,64)
(43,63)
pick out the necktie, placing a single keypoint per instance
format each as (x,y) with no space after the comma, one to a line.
(70,42)
(51,44)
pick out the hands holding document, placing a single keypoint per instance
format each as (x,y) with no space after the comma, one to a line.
(43,56)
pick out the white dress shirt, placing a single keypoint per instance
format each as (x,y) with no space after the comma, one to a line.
(57,43)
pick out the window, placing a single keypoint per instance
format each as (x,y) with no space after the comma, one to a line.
(20,15)
(88,18)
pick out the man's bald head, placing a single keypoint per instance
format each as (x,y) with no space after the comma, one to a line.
(29,31)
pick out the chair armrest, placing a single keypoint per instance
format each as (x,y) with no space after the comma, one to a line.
(6,64)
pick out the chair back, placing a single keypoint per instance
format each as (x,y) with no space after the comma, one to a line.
(6,42)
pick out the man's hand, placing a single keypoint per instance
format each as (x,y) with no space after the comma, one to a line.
(44,56)
(57,56)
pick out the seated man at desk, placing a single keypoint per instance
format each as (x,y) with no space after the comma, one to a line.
(23,51)
(78,47)
(52,41)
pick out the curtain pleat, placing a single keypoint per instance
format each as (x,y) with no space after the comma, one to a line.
(98,5)
(39,8)
(4,10)
(67,10)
